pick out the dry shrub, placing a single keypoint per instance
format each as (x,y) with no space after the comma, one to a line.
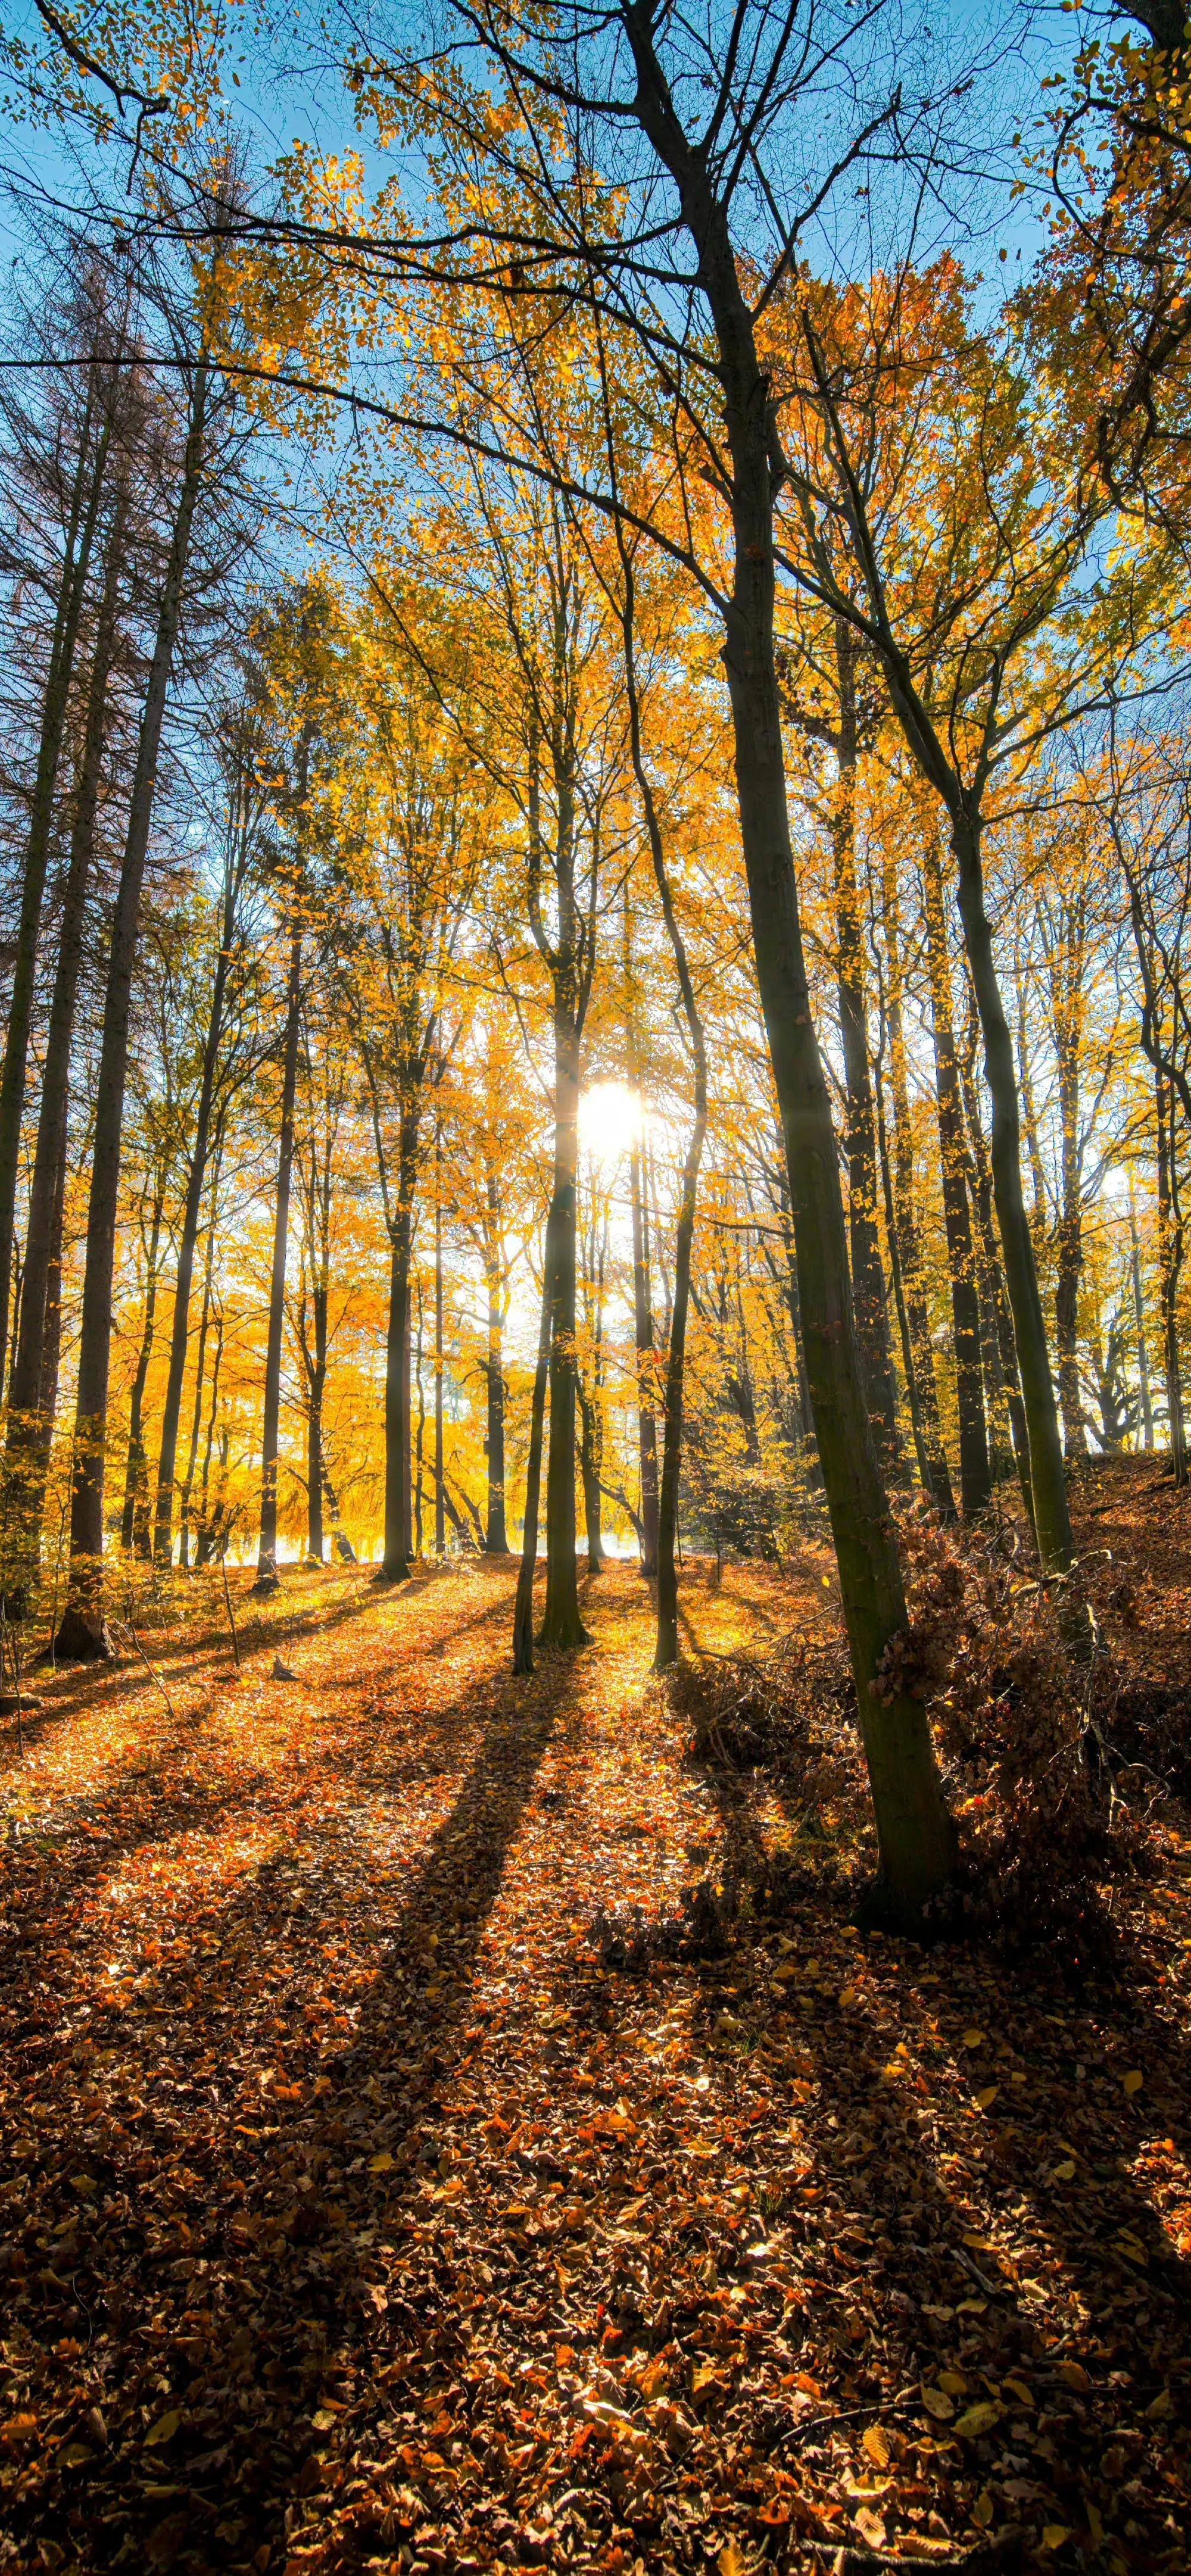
(789,1713)
(1024,1736)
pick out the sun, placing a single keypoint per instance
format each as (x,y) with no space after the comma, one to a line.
(609,1123)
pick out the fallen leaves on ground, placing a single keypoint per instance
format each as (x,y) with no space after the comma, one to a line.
(356,2215)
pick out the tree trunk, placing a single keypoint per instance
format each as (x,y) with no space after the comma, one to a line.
(163,1540)
(496,1540)
(84,514)
(1143,1358)
(975,1474)
(196,1420)
(267,1577)
(30,1427)
(440,1490)
(1170,1237)
(995,1294)
(523,1611)
(868,1277)
(87,1499)
(1070,1255)
(591,1418)
(561,1623)
(643,1329)
(397,1560)
(928,1459)
(902,1226)
(1052,1518)
(915,1834)
(314,1427)
(134,1529)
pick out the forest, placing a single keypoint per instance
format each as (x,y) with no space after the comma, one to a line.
(595,1169)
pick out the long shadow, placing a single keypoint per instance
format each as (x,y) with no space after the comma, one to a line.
(1086,2217)
(273,2285)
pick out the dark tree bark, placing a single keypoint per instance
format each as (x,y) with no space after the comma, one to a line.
(31,1425)
(267,1577)
(1171,1238)
(868,1276)
(134,1521)
(591,1418)
(440,1487)
(86,495)
(643,1325)
(915,1834)
(196,1419)
(1145,1399)
(87,1499)
(496,1542)
(975,1473)
(902,1224)
(523,1610)
(163,1539)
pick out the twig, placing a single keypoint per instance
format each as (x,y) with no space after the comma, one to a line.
(16,1673)
(151,1669)
(231,1616)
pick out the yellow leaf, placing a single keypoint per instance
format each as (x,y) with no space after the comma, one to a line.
(954,2383)
(978,2419)
(702,2376)
(1075,2375)
(938,2404)
(1054,2534)
(870,2526)
(1095,2524)
(1159,2406)
(75,2455)
(987,2096)
(653,2377)
(163,2430)
(973,2039)
(732,2562)
(848,1995)
(983,2509)
(1064,2172)
(1018,2389)
(876,2442)
(1133,2081)
(382,2163)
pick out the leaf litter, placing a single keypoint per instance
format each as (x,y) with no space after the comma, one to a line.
(359,2211)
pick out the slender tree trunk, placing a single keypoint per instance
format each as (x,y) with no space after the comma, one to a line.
(267,1577)
(993,1275)
(1170,1237)
(51,1339)
(915,1834)
(927,1461)
(206,1545)
(1070,1258)
(496,1540)
(523,1611)
(134,1519)
(343,1546)
(643,1325)
(868,1277)
(396,1562)
(87,1499)
(420,1441)
(561,1623)
(440,1490)
(1143,1360)
(591,1420)
(902,1226)
(196,1419)
(1052,1518)
(163,1541)
(975,1474)
(84,514)
(30,1428)
(314,1427)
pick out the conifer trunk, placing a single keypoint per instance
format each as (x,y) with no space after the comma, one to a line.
(87,1496)
(30,1426)
(86,494)
(267,1577)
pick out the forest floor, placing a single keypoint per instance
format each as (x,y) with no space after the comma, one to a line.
(356,2214)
